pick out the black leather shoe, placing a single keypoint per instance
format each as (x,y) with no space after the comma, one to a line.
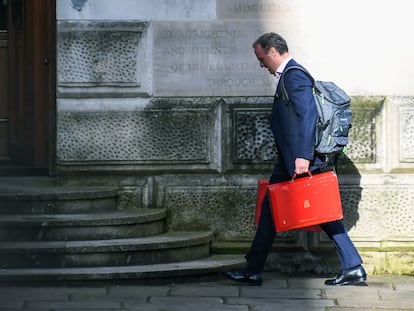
(242,277)
(348,277)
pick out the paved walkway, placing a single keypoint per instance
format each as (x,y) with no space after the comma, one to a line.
(213,293)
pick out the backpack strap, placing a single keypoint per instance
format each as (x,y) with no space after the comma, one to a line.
(284,94)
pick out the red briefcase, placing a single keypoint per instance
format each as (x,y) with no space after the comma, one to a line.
(306,201)
(261,193)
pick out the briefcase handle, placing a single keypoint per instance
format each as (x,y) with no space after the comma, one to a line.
(295,175)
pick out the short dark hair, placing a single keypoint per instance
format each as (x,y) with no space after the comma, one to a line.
(272,39)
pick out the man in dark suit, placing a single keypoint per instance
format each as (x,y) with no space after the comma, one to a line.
(293,127)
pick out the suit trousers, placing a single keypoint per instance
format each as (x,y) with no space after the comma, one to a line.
(266,233)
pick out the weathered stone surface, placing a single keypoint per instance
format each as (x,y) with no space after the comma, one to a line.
(135,10)
(98,59)
(169,133)
(208,59)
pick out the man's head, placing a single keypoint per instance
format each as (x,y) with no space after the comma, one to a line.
(271,50)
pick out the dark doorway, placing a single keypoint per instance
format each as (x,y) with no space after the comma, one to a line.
(27,87)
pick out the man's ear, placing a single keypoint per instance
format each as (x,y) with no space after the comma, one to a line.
(272,51)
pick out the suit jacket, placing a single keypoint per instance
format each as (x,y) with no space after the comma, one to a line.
(293,124)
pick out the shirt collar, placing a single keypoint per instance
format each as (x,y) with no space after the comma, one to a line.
(282,66)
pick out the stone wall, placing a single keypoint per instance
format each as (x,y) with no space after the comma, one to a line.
(166,99)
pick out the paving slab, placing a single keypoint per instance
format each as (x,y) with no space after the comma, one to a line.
(213,293)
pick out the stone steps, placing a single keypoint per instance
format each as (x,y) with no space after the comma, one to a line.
(90,226)
(41,196)
(50,231)
(167,247)
(210,264)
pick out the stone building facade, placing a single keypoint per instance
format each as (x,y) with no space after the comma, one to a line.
(166,99)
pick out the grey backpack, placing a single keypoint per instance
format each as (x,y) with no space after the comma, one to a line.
(334,114)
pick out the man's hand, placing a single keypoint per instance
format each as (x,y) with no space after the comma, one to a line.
(301,166)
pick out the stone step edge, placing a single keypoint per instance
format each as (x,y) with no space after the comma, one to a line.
(212,264)
(118,217)
(58,193)
(169,240)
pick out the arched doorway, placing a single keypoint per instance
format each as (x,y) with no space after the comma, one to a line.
(27,87)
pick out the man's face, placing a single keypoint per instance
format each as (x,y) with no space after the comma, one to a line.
(269,60)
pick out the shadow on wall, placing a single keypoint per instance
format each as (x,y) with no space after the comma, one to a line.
(351,190)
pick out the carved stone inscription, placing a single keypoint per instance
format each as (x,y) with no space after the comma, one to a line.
(208,59)
(255,9)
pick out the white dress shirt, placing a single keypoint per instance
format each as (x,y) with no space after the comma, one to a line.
(280,69)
